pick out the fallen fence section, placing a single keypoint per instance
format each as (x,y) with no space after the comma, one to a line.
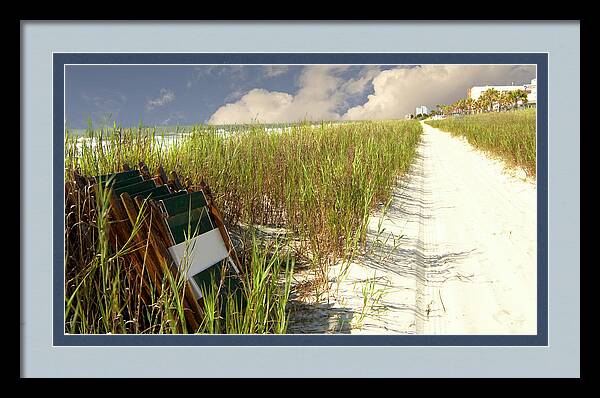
(176,230)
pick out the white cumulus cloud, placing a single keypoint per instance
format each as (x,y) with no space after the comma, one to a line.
(398,91)
(318,98)
(256,105)
(275,70)
(358,85)
(166,96)
(323,94)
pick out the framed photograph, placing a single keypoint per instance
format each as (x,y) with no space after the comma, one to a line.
(387,204)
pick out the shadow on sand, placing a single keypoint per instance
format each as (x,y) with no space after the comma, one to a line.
(319,318)
(409,256)
(421,263)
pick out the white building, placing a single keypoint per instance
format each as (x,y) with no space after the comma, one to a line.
(531,89)
(476,91)
(422,110)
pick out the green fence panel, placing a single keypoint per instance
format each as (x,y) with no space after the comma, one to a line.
(170,195)
(129,181)
(187,225)
(203,278)
(154,192)
(182,204)
(232,283)
(136,188)
(124,175)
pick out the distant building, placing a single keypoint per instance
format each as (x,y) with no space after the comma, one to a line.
(422,110)
(476,91)
(531,89)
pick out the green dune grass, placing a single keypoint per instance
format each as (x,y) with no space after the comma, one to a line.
(510,135)
(318,182)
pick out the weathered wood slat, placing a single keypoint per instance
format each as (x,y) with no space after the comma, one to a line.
(151,260)
(175,181)
(144,171)
(160,240)
(162,175)
(120,231)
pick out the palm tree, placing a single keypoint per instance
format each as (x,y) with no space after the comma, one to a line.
(518,95)
(455,106)
(462,106)
(505,100)
(483,103)
(470,104)
(488,98)
(478,105)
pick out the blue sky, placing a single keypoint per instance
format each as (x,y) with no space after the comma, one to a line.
(126,91)
(169,95)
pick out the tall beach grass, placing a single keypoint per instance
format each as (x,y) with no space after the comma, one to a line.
(317,182)
(510,135)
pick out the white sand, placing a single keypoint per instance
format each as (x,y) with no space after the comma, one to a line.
(466,263)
